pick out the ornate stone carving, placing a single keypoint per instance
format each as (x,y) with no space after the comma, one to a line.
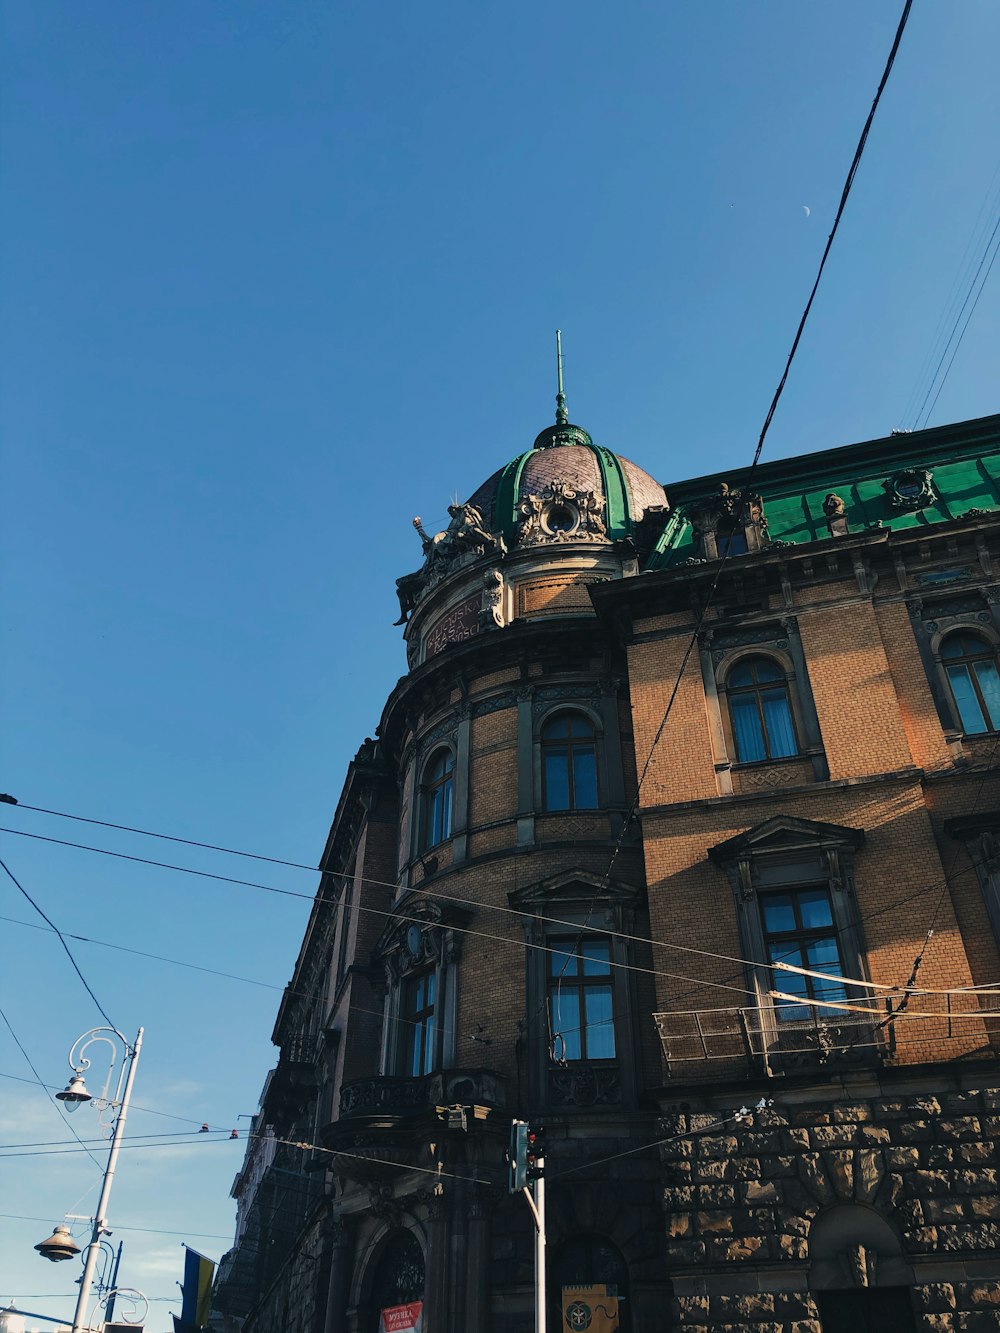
(861,1263)
(584,1085)
(836,516)
(561,514)
(491,616)
(464,539)
(910,489)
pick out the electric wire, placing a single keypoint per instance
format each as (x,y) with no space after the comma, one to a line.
(376,911)
(868,916)
(968,318)
(745,488)
(950,312)
(119,1226)
(86,985)
(45,1089)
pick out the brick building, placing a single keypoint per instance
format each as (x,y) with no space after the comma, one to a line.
(540,900)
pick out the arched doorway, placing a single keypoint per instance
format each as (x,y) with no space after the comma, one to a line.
(398,1279)
(589,1261)
(859,1279)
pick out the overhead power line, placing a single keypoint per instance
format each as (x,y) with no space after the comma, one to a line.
(76,967)
(44,1087)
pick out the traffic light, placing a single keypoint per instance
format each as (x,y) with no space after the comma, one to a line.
(536,1150)
(517,1157)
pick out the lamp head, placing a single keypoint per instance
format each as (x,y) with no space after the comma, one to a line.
(74,1094)
(60,1245)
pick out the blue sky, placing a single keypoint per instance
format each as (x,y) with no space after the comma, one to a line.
(278,277)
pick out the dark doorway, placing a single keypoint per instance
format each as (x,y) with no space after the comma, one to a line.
(583,1261)
(398,1278)
(866,1310)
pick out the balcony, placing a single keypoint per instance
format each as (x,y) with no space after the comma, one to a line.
(399,1098)
(386,1124)
(727,1043)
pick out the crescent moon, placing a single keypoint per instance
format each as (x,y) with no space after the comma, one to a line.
(806,209)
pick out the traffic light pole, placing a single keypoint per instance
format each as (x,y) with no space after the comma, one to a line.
(537,1206)
(527,1163)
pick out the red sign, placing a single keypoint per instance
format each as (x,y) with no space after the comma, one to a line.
(399,1318)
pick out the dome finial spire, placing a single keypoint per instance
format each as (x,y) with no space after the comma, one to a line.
(562,416)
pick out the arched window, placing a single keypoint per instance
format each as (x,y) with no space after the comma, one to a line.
(589,1286)
(420,1019)
(569,763)
(398,1280)
(969,662)
(760,711)
(437,792)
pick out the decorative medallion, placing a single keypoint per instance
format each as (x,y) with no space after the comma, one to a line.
(910,489)
(561,514)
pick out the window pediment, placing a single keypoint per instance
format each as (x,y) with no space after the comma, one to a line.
(573,891)
(785,833)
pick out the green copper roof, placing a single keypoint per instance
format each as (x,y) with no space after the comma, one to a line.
(618,517)
(963,459)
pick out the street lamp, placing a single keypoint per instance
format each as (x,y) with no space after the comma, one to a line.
(60,1244)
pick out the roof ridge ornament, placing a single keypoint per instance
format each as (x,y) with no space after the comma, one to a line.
(562,415)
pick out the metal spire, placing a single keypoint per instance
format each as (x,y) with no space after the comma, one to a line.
(562,416)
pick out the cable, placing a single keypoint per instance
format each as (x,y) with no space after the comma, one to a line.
(387,884)
(950,311)
(377,911)
(135,1147)
(968,317)
(101,1010)
(142,953)
(44,1088)
(152,1231)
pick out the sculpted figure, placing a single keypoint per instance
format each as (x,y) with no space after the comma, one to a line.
(833,505)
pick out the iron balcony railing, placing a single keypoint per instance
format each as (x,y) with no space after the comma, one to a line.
(761,1037)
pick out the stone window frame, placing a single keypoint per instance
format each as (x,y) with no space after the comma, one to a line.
(554,714)
(783,645)
(584,707)
(980,835)
(978,629)
(931,620)
(426,842)
(783,660)
(536,704)
(403,957)
(785,853)
(551,910)
(455,735)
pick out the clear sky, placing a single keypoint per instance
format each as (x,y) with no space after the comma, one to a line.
(279,276)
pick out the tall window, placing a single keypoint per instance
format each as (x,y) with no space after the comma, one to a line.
(799,929)
(438,792)
(420,1044)
(581,1007)
(970,665)
(569,763)
(760,710)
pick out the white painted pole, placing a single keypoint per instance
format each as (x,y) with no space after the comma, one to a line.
(540,1308)
(100,1220)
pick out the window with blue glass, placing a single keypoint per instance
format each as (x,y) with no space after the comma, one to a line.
(420,1024)
(970,665)
(438,798)
(760,710)
(581,1000)
(799,929)
(569,763)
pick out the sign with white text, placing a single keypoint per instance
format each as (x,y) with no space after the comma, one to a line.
(402,1318)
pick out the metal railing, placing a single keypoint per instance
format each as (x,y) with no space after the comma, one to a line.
(780,1038)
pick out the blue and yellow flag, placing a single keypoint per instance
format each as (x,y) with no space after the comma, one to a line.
(196,1291)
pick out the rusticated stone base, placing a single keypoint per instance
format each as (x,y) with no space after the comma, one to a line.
(916,1171)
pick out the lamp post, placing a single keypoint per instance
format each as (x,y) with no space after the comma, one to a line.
(75,1094)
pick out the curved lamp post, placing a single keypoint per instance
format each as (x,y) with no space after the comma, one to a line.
(115,1108)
